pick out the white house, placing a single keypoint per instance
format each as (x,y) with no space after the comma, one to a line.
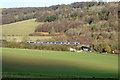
(72,50)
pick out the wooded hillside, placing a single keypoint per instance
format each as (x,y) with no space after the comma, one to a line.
(85,22)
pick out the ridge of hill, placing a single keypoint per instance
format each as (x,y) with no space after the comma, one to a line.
(12,15)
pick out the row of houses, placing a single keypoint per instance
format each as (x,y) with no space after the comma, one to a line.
(66,43)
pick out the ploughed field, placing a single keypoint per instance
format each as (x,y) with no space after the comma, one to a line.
(25,63)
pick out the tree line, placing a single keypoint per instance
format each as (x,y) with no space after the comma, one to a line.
(24,45)
(12,15)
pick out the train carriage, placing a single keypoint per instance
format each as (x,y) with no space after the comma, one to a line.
(65,43)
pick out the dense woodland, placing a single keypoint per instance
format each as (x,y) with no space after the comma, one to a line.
(90,23)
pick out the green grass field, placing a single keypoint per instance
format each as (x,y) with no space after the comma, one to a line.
(21,28)
(30,38)
(43,63)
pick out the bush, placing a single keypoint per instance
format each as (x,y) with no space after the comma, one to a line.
(116,52)
(114,45)
(50,19)
(94,28)
(52,31)
(99,46)
(99,37)
(73,32)
(74,15)
(105,34)
(25,38)
(107,48)
(61,38)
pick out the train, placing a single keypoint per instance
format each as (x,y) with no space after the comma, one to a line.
(66,43)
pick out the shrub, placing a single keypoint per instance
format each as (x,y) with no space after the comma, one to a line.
(74,15)
(50,19)
(61,38)
(94,28)
(52,31)
(105,34)
(116,51)
(73,32)
(99,46)
(107,48)
(25,38)
(114,45)
(100,37)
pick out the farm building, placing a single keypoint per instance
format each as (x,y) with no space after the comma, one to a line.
(85,48)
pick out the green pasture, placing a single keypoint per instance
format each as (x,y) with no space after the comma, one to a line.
(21,28)
(44,63)
(29,38)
